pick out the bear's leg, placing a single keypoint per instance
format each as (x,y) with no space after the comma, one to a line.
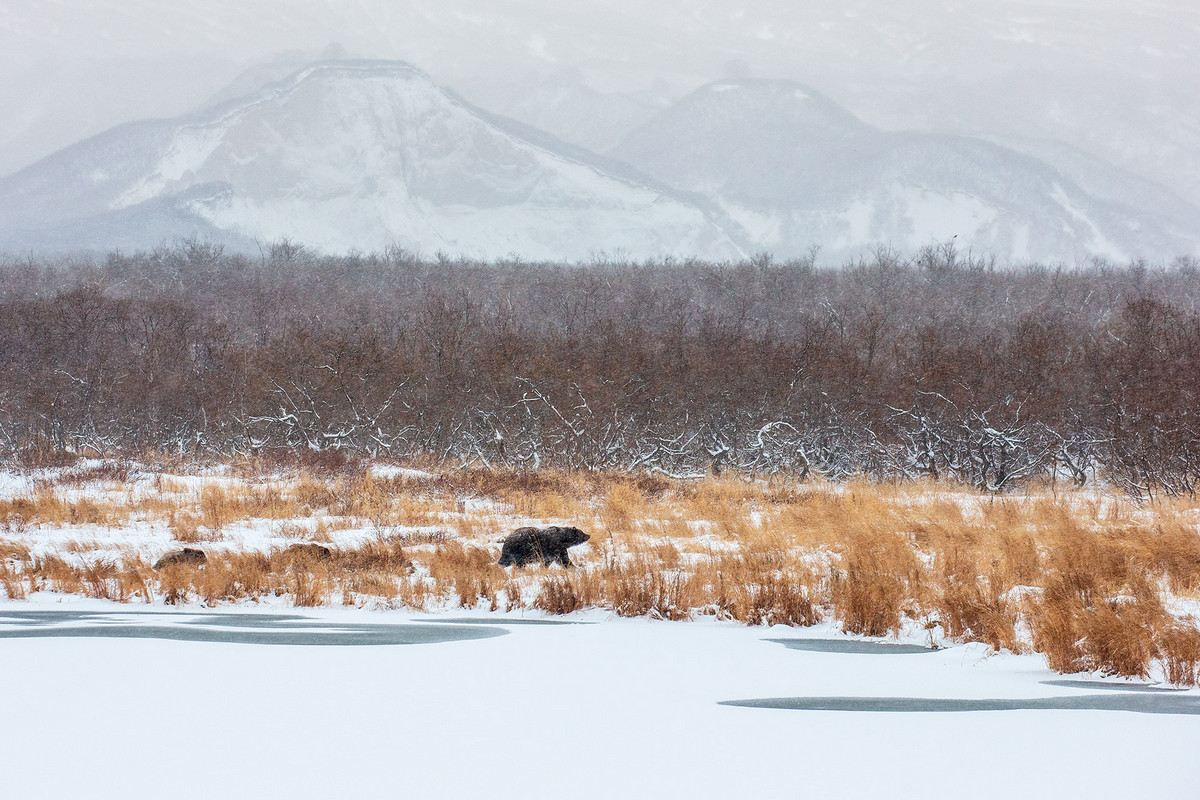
(563,558)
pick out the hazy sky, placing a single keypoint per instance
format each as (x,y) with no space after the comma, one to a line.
(1116,79)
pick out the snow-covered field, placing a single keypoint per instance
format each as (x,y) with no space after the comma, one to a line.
(598,707)
(256,698)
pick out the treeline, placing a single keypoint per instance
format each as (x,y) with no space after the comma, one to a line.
(938,365)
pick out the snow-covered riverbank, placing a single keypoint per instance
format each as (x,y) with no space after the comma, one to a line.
(597,707)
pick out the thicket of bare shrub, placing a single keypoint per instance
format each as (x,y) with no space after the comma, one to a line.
(937,366)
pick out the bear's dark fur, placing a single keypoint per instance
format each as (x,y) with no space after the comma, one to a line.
(540,544)
(188,555)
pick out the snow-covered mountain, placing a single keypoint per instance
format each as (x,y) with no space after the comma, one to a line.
(792,169)
(345,155)
(363,154)
(1113,79)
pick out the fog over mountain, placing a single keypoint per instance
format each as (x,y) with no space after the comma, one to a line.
(792,169)
(1099,91)
(348,155)
(365,154)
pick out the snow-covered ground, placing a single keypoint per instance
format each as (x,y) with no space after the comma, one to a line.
(597,707)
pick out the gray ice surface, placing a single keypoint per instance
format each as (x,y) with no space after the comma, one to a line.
(1137,702)
(851,646)
(277,629)
(499,621)
(1110,687)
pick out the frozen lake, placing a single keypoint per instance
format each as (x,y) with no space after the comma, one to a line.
(111,701)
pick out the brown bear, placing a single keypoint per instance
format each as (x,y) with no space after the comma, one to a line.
(188,555)
(540,544)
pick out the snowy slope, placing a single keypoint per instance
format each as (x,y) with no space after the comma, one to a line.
(348,155)
(794,169)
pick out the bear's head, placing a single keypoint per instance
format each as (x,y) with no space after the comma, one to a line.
(572,536)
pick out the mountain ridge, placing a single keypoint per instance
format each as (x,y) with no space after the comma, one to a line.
(367,153)
(361,154)
(795,170)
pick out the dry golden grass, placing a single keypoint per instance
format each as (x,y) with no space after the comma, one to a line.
(1179,646)
(12,556)
(469,571)
(559,596)
(188,528)
(878,576)
(1079,577)
(48,507)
